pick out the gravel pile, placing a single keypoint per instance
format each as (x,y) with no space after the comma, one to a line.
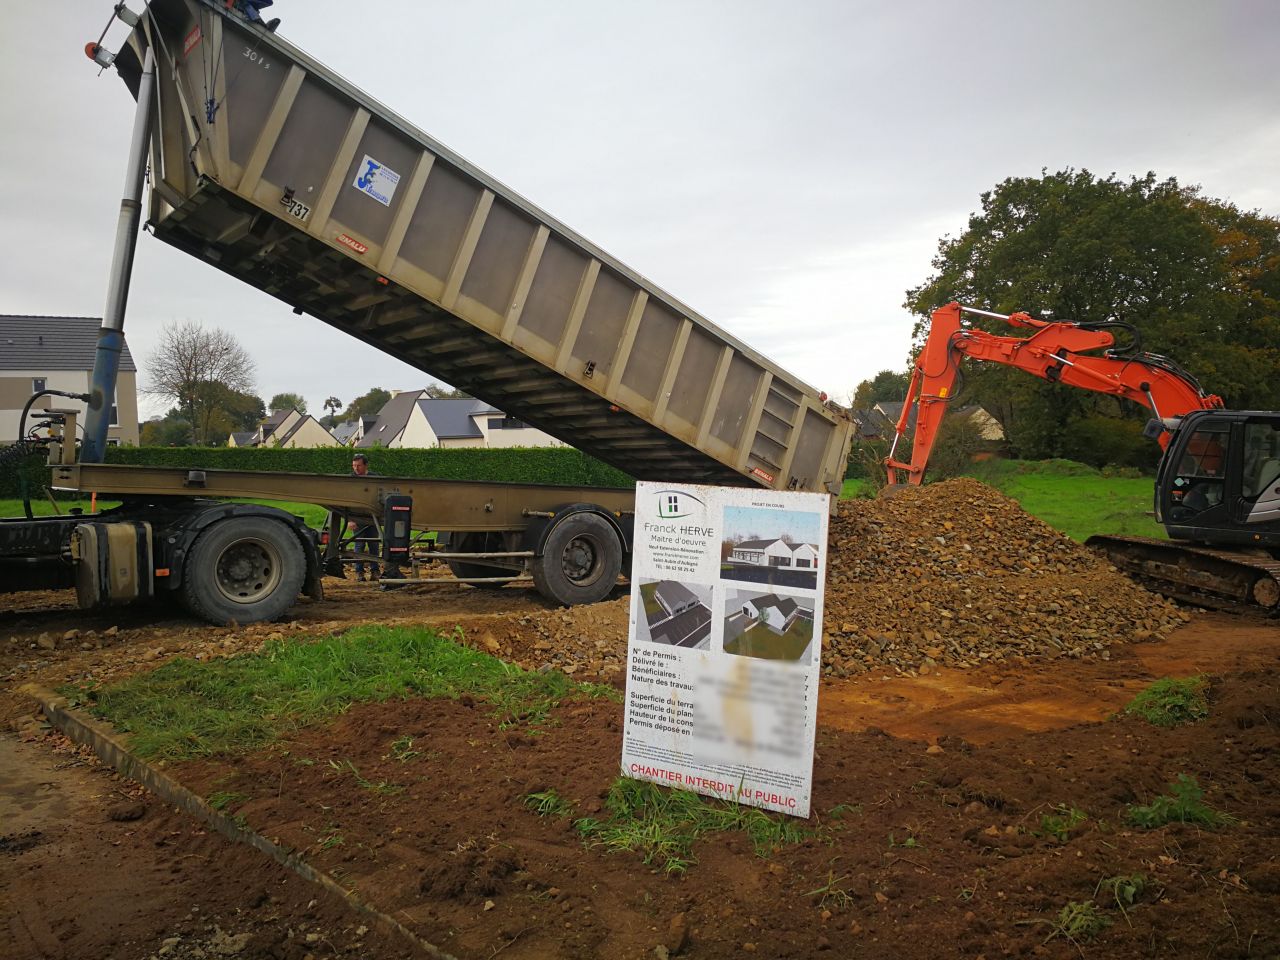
(955,573)
(952,574)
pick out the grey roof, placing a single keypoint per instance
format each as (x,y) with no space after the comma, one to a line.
(673,594)
(755,544)
(392,419)
(346,430)
(450,418)
(244,438)
(871,424)
(785,605)
(52,343)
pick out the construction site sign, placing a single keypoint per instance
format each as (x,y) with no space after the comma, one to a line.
(724,652)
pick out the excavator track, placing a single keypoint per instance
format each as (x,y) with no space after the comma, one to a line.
(1221,579)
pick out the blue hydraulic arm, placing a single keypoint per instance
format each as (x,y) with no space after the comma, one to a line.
(106,363)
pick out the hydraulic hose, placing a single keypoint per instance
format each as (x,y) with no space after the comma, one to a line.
(25,447)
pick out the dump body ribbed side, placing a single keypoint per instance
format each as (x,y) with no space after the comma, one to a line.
(270,167)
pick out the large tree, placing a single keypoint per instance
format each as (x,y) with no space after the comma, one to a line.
(287,401)
(1198,280)
(884,386)
(191,365)
(366,405)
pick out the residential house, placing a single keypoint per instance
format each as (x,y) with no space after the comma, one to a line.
(412,419)
(286,428)
(775,553)
(57,353)
(870,424)
(349,432)
(988,426)
(776,613)
(674,597)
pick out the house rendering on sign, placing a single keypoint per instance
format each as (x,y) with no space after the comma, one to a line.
(775,553)
(776,613)
(286,428)
(56,353)
(675,615)
(413,419)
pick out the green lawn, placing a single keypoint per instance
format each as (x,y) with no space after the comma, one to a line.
(764,644)
(1072,497)
(313,515)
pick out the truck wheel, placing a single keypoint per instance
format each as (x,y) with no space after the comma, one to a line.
(478,543)
(246,569)
(580,561)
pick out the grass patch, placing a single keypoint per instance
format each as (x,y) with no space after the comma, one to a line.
(548,803)
(41,506)
(1074,498)
(662,824)
(224,799)
(761,642)
(1059,824)
(1079,921)
(187,709)
(1171,703)
(383,788)
(1183,804)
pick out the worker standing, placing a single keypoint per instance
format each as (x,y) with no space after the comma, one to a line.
(367,533)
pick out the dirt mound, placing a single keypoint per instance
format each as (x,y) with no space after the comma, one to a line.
(956,573)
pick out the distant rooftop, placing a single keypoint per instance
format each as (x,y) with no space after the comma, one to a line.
(52,343)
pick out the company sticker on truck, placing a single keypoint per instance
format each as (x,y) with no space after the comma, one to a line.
(376,180)
(351,242)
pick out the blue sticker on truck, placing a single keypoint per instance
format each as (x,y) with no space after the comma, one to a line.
(376,180)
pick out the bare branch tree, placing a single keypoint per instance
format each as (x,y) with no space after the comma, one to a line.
(189,361)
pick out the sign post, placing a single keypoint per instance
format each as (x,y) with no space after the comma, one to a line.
(725,642)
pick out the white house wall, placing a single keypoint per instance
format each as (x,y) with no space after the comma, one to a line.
(17,383)
(417,431)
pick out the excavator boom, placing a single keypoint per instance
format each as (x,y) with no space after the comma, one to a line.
(1057,351)
(1218,488)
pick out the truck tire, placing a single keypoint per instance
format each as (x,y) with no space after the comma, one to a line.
(477,543)
(246,569)
(580,561)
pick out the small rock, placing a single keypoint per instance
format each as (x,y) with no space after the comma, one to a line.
(677,933)
(488,905)
(933,748)
(661,952)
(126,811)
(110,631)
(46,642)
(71,635)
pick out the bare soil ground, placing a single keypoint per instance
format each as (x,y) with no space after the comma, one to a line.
(965,872)
(974,668)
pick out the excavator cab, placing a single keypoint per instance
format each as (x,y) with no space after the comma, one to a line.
(1219,480)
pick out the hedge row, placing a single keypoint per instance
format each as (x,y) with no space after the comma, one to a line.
(550,465)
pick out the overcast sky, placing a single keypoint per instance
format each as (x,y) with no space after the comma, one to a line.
(785,168)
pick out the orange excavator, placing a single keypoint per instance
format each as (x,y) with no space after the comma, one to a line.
(1218,483)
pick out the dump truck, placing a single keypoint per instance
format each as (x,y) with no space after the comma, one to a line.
(263,163)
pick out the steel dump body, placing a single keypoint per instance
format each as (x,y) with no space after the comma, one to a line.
(268,166)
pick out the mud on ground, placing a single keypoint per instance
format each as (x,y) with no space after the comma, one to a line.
(932,774)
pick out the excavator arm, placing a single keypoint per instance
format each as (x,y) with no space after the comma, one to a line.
(1059,352)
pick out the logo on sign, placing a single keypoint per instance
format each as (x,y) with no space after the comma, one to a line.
(351,242)
(766,477)
(192,39)
(674,504)
(375,179)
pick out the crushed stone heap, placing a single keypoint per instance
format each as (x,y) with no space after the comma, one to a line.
(955,573)
(952,574)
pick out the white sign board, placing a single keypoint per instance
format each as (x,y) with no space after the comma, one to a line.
(724,650)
